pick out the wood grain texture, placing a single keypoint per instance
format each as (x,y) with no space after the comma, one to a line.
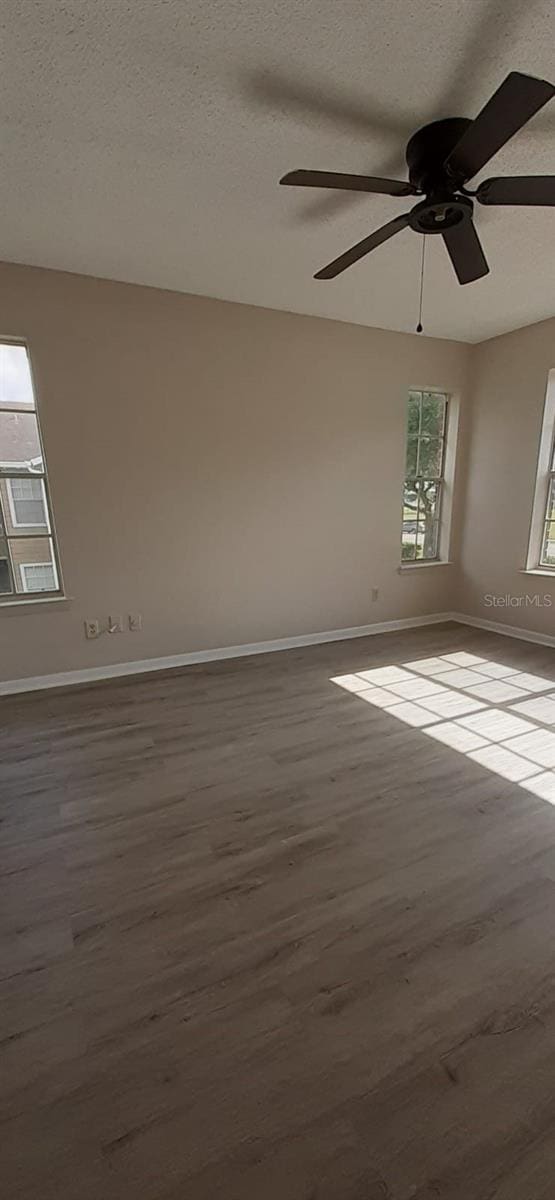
(261,940)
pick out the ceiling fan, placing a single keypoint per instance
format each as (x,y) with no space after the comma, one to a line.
(441,158)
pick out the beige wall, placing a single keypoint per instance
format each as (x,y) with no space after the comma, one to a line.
(510,376)
(232,473)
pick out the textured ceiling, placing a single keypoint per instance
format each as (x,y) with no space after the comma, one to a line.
(143,141)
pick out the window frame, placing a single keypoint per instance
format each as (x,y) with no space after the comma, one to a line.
(440,480)
(544,480)
(13,471)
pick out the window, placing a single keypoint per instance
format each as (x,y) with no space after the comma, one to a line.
(547,556)
(27,502)
(28,555)
(541,548)
(424,475)
(38,577)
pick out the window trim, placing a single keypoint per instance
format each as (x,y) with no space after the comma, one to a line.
(545,472)
(446,479)
(14,599)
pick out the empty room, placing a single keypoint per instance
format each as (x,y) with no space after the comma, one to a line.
(277,600)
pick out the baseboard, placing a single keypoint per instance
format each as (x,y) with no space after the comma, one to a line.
(513,631)
(92,674)
(35,683)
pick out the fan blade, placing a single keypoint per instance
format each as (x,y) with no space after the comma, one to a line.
(369,243)
(518,189)
(510,107)
(465,251)
(348,183)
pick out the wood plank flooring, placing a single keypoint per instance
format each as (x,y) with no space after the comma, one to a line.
(262,941)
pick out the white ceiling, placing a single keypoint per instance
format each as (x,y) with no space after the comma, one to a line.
(144,140)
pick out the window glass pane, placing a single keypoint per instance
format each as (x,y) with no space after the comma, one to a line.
(433,414)
(430,456)
(421,540)
(410,522)
(548,550)
(408,540)
(412,458)
(34,564)
(428,514)
(16,389)
(550,515)
(413,427)
(27,509)
(430,543)
(410,502)
(5,581)
(19,442)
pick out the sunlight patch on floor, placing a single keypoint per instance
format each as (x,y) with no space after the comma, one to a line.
(513,741)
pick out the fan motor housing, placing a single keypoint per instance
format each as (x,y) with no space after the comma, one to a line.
(439,212)
(427,150)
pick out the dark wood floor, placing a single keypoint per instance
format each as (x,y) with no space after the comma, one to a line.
(262,941)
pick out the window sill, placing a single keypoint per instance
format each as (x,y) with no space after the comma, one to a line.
(12,606)
(547,572)
(434,562)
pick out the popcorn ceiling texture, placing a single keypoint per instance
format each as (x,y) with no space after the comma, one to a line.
(143,142)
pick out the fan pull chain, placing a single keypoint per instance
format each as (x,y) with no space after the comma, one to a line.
(419,326)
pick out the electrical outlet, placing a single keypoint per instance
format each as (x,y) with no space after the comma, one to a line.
(115,624)
(92,629)
(135,621)
(375,594)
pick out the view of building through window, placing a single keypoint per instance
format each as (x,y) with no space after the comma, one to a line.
(426,429)
(27,552)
